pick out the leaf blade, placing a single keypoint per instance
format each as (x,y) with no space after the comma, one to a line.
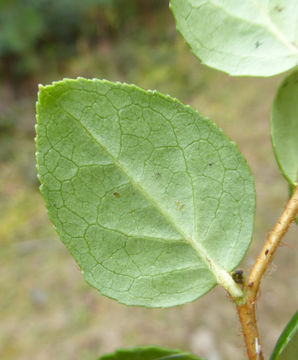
(284,128)
(240,38)
(100,200)
(149,353)
(286,347)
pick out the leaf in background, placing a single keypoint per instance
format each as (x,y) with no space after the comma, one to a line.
(284,128)
(152,200)
(286,347)
(255,38)
(149,353)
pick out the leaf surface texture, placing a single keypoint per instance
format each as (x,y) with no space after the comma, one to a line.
(255,38)
(152,200)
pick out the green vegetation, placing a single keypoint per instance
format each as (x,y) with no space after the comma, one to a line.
(247,38)
(39,279)
(287,344)
(38,34)
(284,138)
(149,353)
(119,156)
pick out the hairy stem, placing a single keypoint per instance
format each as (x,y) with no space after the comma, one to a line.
(247,316)
(271,245)
(247,313)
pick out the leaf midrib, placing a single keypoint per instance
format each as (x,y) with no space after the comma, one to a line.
(199,249)
(221,275)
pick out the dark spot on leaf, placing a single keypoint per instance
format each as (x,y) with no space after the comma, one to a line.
(278,8)
(238,276)
(258,44)
(210,164)
(179,205)
(116,194)
(266,252)
(158,175)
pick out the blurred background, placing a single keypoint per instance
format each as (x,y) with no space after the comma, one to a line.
(47,311)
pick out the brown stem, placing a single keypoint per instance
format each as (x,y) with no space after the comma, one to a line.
(271,244)
(246,312)
(247,316)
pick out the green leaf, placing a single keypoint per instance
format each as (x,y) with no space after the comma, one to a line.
(149,353)
(286,347)
(284,128)
(152,200)
(255,38)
